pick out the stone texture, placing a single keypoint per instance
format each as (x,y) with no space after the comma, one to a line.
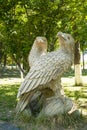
(57,106)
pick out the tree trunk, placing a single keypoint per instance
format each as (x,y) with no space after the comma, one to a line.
(1,52)
(1,56)
(83,60)
(22,75)
(5,60)
(19,64)
(78,78)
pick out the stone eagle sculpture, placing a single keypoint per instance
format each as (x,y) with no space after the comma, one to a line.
(47,71)
(38,49)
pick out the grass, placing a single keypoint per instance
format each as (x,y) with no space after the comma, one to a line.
(80,98)
(49,123)
(7,101)
(65,122)
(76,94)
(7,110)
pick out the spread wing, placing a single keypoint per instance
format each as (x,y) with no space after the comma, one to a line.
(44,70)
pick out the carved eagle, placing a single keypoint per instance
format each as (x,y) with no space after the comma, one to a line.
(47,70)
(38,49)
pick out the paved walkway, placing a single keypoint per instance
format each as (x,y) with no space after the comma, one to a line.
(71,80)
(66,81)
(10,81)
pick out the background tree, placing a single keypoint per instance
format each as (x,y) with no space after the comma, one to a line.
(22,20)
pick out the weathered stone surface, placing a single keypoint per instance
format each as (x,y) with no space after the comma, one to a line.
(36,104)
(57,106)
(68,104)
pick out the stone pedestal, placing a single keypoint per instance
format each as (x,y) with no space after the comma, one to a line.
(57,106)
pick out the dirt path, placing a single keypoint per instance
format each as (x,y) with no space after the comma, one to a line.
(66,81)
(10,81)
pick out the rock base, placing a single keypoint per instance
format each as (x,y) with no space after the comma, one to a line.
(57,106)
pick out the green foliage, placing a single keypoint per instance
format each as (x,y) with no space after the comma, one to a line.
(21,21)
(71,73)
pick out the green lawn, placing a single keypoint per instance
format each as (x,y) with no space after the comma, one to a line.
(7,101)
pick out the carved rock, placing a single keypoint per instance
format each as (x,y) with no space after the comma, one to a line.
(57,106)
(45,75)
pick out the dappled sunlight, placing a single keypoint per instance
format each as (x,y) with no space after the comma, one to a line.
(84,80)
(70,81)
(9,93)
(8,101)
(21,21)
(10,81)
(78,95)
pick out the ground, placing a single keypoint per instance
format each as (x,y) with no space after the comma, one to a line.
(9,83)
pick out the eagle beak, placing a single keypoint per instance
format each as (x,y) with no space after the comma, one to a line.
(61,35)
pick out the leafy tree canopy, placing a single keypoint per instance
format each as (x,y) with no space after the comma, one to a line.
(22,20)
